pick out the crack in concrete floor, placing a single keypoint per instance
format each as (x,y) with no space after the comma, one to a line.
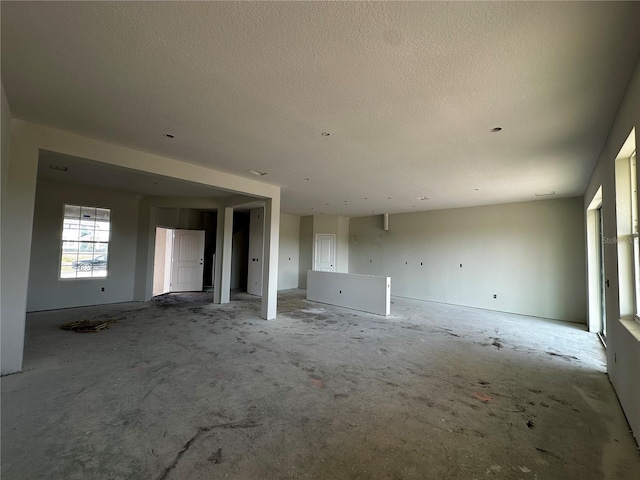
(329,393)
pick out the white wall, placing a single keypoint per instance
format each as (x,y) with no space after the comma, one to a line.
(306,250)
(342,247)
(17,223)
(11,332)
(46,291)
(368,293)
(623,349)
(289,257)
(18,209)
(5,141)
(531,255)
(256,251)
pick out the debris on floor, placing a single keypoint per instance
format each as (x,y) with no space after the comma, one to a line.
(483,397)
(216,457)
(84,326)
(188,389)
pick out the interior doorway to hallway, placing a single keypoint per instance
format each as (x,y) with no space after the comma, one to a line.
(178,261)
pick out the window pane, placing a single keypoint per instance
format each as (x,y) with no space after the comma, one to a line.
(70,247)
(103,215)
(85,242)
(102,231)
(101,248)
(70,229)
(72,211)
(88,213)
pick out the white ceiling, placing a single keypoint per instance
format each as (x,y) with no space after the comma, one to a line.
(53,166)
(408,91)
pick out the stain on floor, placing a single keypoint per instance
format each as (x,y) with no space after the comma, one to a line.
(180,388)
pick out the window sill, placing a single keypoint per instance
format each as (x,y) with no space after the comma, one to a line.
(633,327)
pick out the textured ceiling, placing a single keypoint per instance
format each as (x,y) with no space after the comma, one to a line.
(56,167)
(408,91)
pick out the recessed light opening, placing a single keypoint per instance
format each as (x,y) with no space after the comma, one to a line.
(422,198)
(325,134)
(545,194)
(58,167)
(496,129)
(169,135)
(256,172)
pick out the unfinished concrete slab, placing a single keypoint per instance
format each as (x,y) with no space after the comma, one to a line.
(180,388)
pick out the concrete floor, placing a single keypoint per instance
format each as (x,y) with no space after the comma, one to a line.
(179,388)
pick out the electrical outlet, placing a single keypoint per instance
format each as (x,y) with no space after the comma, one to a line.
(495,296)
(102,289)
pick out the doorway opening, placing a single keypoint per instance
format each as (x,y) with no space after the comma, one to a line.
(596,269)
(178,261)
(240,251)
(162,261)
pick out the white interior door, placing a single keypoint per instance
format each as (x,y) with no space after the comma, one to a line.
(325,254)
(187,263)
(256,249)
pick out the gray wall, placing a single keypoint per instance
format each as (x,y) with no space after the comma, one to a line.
(623,348)
(45,290)
(18,211)
(289,255)
(531,255)
(5,137)
(306,250)
(339,226)
(11,305)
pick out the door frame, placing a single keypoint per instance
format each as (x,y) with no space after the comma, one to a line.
(164,260)
(595,264)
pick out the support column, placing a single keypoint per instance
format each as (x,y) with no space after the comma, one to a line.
(224,237)
(268,308)
(17,224)
(143,285)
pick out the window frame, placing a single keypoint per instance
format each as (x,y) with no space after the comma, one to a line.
(635,233)
(94,255)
